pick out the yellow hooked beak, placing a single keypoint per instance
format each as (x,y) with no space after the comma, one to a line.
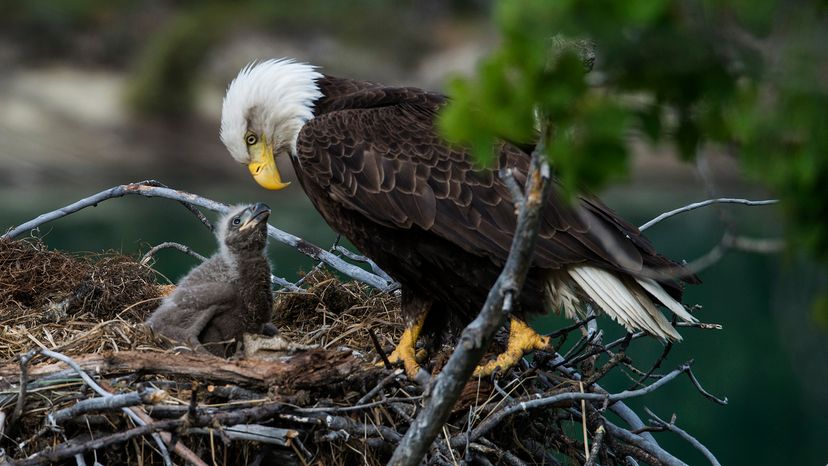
(263,167)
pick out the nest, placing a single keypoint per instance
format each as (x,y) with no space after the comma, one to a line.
(330,404)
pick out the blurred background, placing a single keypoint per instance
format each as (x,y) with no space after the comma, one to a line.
(97,93)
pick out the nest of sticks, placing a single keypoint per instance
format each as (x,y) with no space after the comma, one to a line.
(82,380)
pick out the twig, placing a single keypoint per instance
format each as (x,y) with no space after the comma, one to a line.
(104,393)
(584,422)
(619,407)
(371,393)
(23,359)
(697,205)
(651,448)
(170,244)
(656,365)
(508,177)
(704,392)
(144,396)
(672,427)
(145,190)
(497,417)
(253,432)
(478,334)
(231,418)
(592,457)
(200,216)
(359,258)
(378,348)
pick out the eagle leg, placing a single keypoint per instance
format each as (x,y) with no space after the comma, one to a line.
(405,351)
(522,339)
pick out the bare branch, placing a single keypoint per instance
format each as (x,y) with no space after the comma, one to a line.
(705,393)
(170,244)
(145,396)
(641,442)
(17,414)
(697,205)
(672,427)
(253,432)
(359,258)
(493,420)
(508,178)
(301,245)
(592,458)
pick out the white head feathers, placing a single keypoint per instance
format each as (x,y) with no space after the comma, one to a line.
(274,99)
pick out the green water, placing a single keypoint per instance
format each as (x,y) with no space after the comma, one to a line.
(768,360)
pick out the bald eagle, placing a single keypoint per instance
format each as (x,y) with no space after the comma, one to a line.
(374,165)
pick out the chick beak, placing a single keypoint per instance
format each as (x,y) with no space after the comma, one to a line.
(263,168)
(255,215)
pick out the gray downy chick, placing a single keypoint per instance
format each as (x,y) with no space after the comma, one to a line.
(228,294)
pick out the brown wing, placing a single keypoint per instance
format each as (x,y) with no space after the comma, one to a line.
(385,160)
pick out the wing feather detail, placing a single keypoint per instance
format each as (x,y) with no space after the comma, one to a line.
(376,150)
(624,304)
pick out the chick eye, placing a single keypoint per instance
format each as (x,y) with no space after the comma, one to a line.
(251,139)
(236,221)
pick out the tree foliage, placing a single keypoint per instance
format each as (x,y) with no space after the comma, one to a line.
(742,76)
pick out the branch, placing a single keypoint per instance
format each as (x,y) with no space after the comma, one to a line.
(592,459)
(494,419)
(169,244)
(146,190)
(239,416)
(308,369)
(144,396)
(359,258)
(697,205)
(252,432)
(639,441)
(671,426)
(478,334)
(104,393)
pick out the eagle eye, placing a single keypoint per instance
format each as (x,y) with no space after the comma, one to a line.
(251,139)
(236,221)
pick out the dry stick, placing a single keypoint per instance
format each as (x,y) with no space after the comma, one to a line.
(66,450)
(592,458)
(253,432)
(371,393)
(729,241)
(493,420)
(671,426)
(478,334)
(24,382)
(697,205)
(143,396)
(301,245)
(640,442)
(360,258)
(136,417)
(200,216)
(640,382)
(239,416)
(173,245)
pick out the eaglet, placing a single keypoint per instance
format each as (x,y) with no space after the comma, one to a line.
(228,294)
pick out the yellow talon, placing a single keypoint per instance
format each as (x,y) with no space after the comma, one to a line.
(522,339)
(405,351)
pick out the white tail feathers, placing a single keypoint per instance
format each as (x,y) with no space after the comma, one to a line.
(656,290)
(627,302)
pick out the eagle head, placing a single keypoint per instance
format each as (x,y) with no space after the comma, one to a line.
(263,111)
(243,230)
